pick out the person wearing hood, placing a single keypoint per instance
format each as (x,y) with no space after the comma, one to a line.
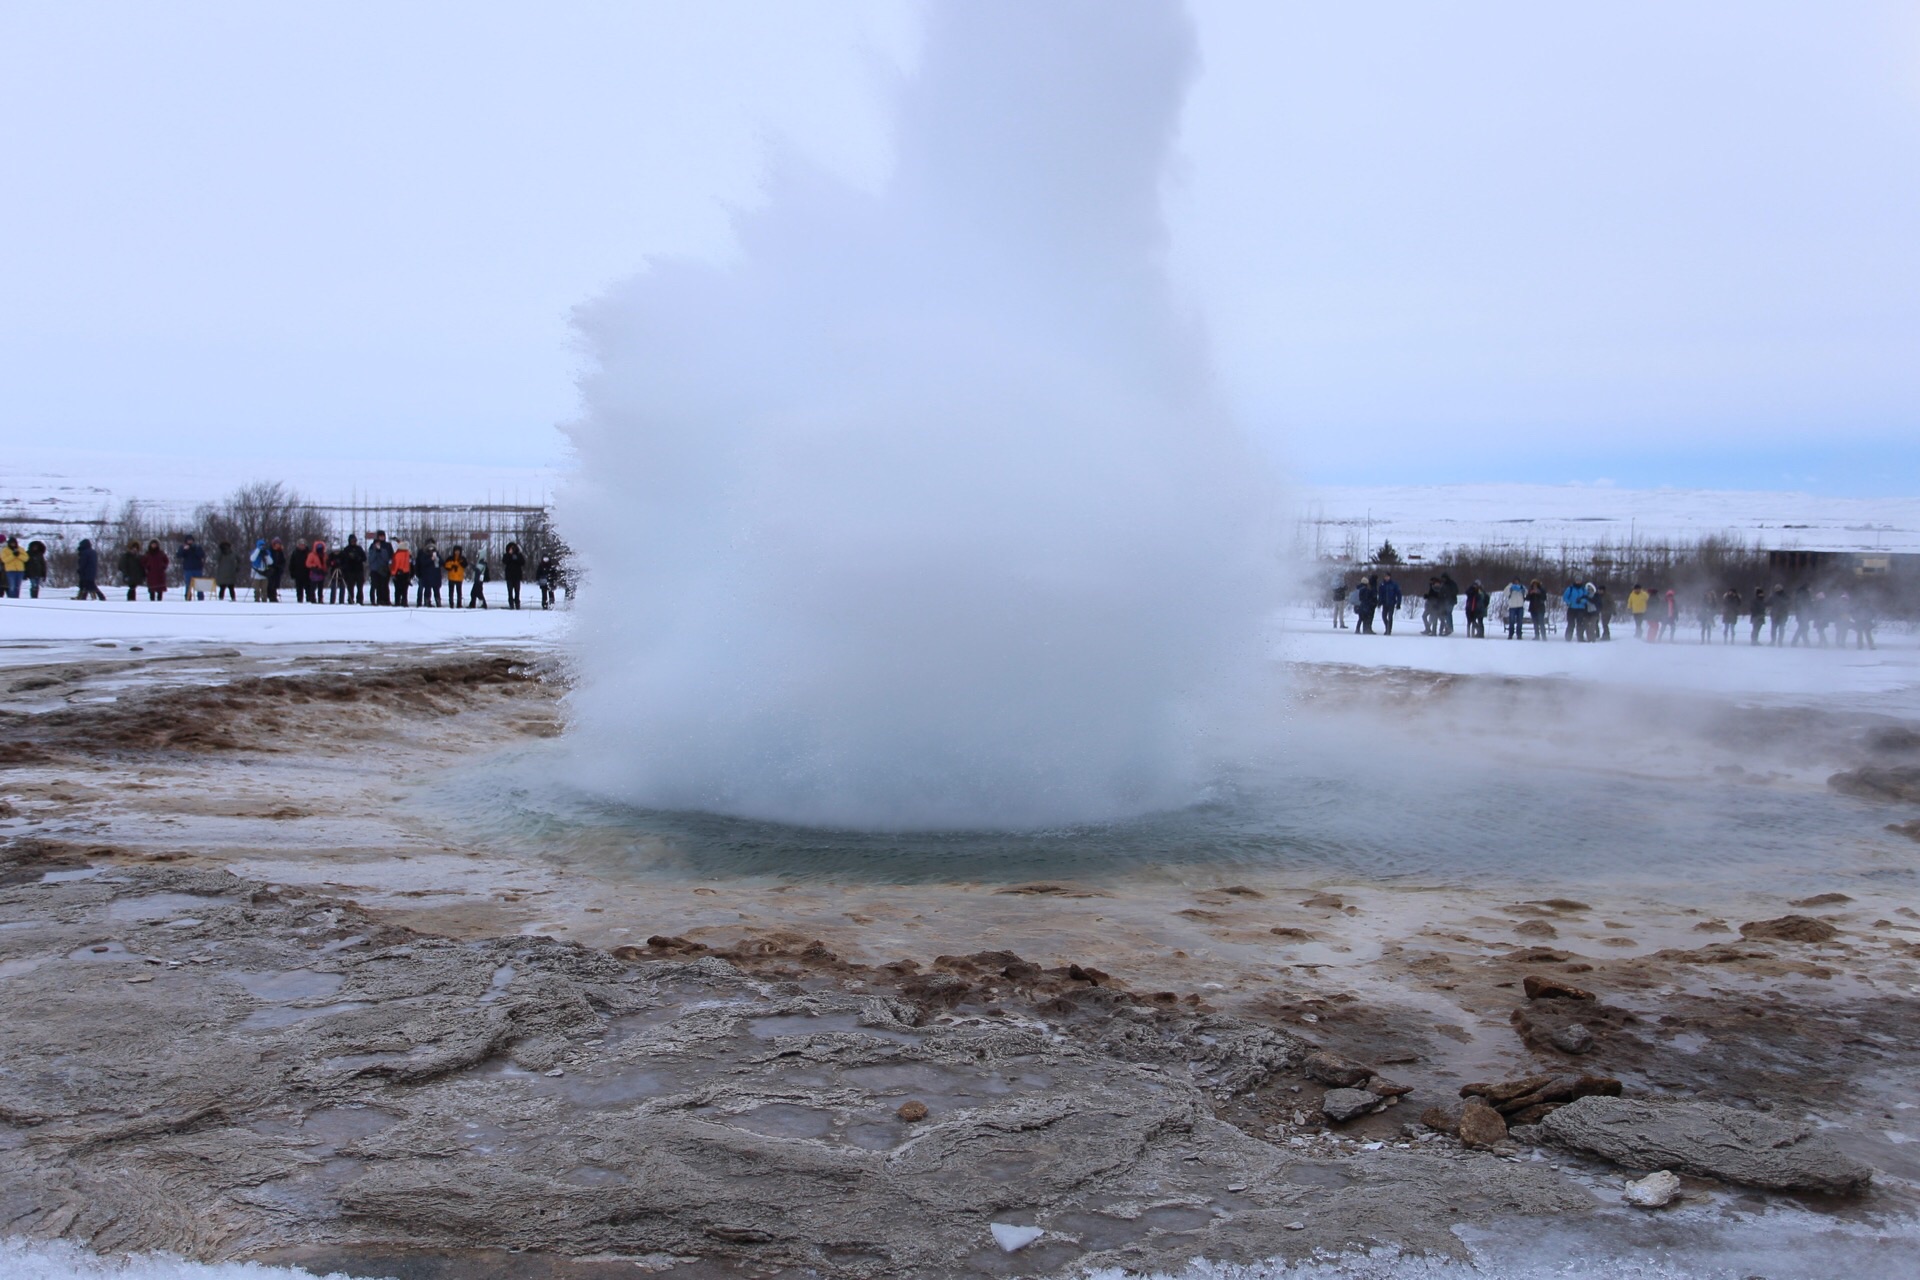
(87,570)
(276,569)
(1637,601)
(36,567)
(1779,606)
(155,564)
(226,573)
(13,559)
(1731,605)
(193,563)
(1390,596)
(1600,611)
(1757,614)
(318,566)
(1449,597)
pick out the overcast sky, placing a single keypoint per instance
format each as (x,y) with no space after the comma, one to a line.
(1646,242)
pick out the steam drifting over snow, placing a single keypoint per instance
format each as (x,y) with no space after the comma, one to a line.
(925,513)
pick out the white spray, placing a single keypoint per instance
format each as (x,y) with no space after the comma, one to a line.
(924,512)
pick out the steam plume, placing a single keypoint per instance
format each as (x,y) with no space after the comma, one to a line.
(924,513)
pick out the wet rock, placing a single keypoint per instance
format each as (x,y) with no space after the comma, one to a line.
(1342,1105)
(1821,900)
(1573,1038)
(1442,1118)
(1893,782)
(1545,988)
(1654,1191)
(911,1111)
(1480,1124)
(1536,955)
(1708,1140)
(1332,1069)
(1381,1087)
(1911,830)
(1290,934)
(1789,929)
(1536,929)
(1529,1099)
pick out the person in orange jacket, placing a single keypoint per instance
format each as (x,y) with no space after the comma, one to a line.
(402,572)
(455,566)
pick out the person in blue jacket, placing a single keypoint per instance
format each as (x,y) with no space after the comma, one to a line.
(1389,601)
(192,561)
(1575,598)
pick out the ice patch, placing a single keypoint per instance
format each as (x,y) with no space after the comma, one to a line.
(24,1260)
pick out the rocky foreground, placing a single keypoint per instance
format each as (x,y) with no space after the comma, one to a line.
(193,1061)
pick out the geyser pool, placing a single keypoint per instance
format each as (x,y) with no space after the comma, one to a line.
(923,513)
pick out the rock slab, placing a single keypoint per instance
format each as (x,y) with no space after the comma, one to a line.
(1708,1140)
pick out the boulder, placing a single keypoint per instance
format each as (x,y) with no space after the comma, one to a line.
(1708,1140)
(1341,1105)
(1653,1191)
(1544,988)
(1572,1038)
(1480,1124)
(1332,1069)
(1895,782)
(1789,929)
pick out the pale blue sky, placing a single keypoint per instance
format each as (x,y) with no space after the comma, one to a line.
(1649,242)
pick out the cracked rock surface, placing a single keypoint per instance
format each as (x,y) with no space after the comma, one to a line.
(197,1062)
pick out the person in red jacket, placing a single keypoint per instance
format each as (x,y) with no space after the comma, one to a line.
(155,563)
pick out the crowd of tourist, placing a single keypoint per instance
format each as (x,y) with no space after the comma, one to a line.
(383,571)
(1586,611)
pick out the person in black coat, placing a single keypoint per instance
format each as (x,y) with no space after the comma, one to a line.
(132,571)
(89,571)
(353,571)
(513,567)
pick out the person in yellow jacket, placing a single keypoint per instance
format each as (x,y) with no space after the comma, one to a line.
(1637,606)
(455,566)
(13,562)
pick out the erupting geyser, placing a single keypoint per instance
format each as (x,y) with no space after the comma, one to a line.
(924,512)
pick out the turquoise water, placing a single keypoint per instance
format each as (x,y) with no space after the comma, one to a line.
(1341,807)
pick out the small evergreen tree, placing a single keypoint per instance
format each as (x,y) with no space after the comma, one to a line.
(1386,554)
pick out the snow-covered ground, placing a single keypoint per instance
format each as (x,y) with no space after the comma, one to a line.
(1886,677)
(1429,520)
(56,625)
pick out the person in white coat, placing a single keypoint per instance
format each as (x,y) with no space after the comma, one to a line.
(1516,606)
